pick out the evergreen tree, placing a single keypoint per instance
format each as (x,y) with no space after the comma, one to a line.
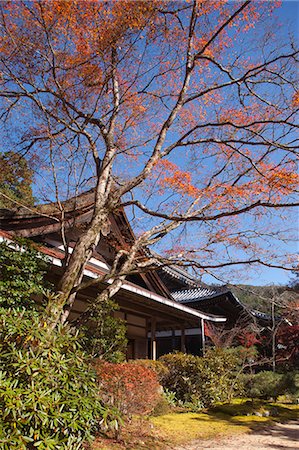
(15,181)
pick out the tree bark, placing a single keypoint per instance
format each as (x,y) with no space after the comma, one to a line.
(74,272)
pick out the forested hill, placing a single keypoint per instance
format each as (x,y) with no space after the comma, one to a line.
(261,297)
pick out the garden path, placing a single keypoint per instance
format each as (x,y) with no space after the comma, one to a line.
(277,437)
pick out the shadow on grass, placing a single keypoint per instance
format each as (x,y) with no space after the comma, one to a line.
(180,426)
(254,415)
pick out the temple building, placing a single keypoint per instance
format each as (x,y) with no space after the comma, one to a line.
(164,309)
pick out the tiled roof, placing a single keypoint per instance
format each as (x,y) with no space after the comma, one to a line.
(199,293)
(206,293)
(174,271)
(261,315)
(180,274)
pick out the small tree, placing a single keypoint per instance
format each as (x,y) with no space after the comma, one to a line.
(104,336)
(15,180)
(22,275)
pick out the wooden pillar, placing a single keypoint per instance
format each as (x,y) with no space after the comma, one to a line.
(203,341)
(153,340)
(173,339)
(183,340)
(147,339)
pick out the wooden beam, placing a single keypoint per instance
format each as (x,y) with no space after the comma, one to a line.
(148,309)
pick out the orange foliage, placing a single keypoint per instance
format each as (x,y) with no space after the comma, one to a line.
(174,178)
(278,178)
(296,99)
(131,388)
(69,49)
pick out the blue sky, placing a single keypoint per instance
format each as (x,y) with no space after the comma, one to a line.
(288,19)
(289,15)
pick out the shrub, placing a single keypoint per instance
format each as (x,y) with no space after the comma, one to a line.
(48,393)
(291,383)
(167,401)
(131,388)
(156,366)
(268,384)
(161,408)
(183,375)
(264,385)
(202,381)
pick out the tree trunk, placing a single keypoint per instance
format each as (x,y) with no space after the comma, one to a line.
(74,272)
(273,338)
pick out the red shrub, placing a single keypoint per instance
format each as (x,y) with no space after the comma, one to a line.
(288,340)
(132,388)
(248,338)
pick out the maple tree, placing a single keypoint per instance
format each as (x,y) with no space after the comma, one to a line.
(181,112)
(277,342)
(242,333)
(285,329)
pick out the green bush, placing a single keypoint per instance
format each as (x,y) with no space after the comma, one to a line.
(183,375)
(161,408)
(21,274)
(267,384)
(264,385)
(167,401)
(48,393)
(291,382)
(200,381)
(105,335)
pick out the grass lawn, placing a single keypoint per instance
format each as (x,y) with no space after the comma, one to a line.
(225,419)
(158,433)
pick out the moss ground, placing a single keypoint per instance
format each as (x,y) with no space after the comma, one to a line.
(177,427)
(224,419)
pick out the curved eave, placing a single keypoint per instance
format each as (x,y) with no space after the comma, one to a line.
(200,298)
(172,304)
